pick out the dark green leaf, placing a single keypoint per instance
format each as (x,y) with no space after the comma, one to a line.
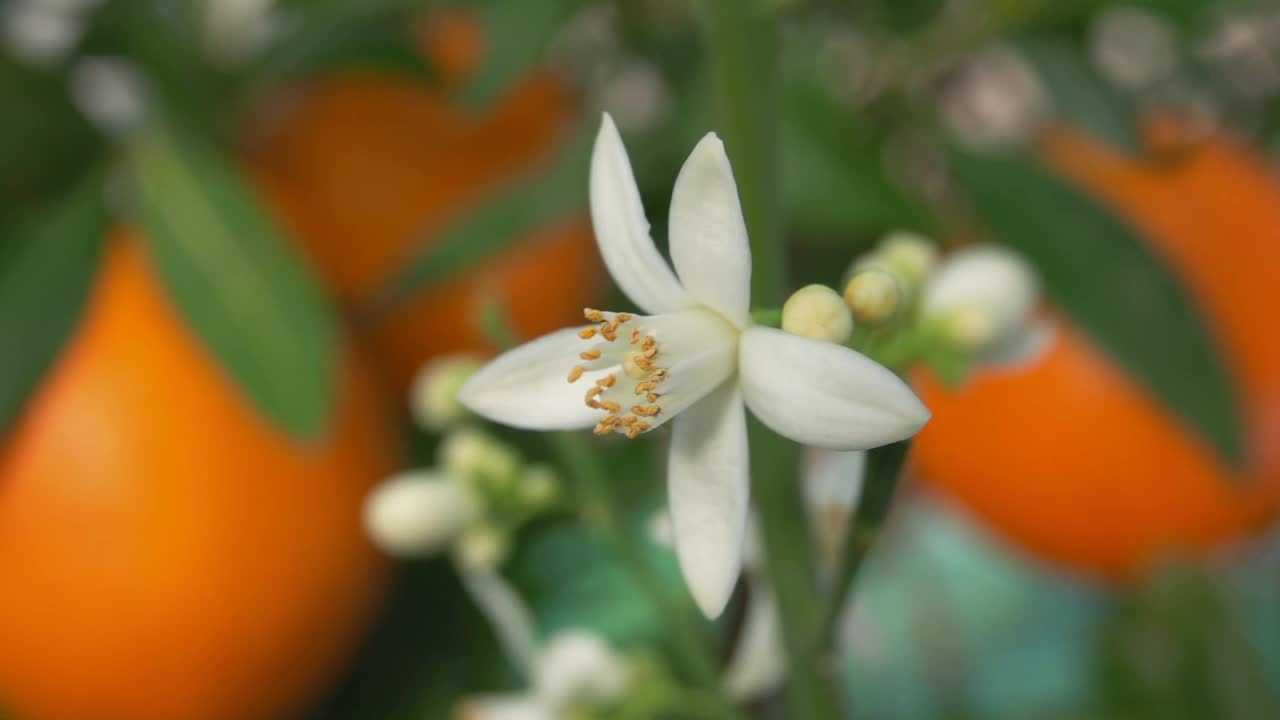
(1099,271)
(235,280)
(1079,93)
(494,224)
(904,16)
(46,267)
(572,580)
(518,32)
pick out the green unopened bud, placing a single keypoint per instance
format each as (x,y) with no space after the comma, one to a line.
(434,395)
(539,485)
(873,296)
(475,456)
(816,311)
(911,255)
(481,547)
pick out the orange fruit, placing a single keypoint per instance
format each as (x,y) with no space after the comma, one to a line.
(167,553)
(370,166)
(1071,458)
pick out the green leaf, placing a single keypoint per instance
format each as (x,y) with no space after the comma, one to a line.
(573,581)
(46,268)
(518,32)
(1100,272)
(1174,649)
(1080,95)
(235,280)
(502,219)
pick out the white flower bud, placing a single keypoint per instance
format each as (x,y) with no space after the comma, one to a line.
(577,664)
(434,395)
(470,455)
(816,311)
(873,296)
(984,296)
(418,513)
(911,255)
(481,548)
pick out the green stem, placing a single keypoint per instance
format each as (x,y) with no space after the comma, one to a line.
(602,513)
(743,40)
(879,484)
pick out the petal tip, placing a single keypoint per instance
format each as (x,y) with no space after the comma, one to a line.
(712,597)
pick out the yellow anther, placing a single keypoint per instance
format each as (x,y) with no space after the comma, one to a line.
(635,336)
(575,373)
(658,376)
(611,406)
(649,351)
(653,397)
(591,396)
(609,333)
(593,315)
(646,410)
(587,333)
(602,429)
(644,387)
(589,354)
(607,381)
(623,317)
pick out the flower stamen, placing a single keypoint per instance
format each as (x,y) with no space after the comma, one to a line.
(638,360)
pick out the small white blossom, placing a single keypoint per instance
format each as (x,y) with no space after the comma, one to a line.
(574,666)
(985,296)
(696,359)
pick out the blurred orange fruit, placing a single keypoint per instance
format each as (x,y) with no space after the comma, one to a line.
(1071,458)
(166,552)
(368,166)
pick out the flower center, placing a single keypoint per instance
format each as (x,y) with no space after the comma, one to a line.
(630,402)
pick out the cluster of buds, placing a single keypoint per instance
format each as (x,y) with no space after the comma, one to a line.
(904,302)
(476,496)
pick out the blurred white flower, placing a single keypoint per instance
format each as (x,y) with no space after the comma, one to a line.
(433,399)
(419,513)
(985,296)
(635,93)
(40,33)
(995,101)
(1246,49)
(575,666)
(234,30)
(110,92)
(697,358)
(1133,48)
(818,312)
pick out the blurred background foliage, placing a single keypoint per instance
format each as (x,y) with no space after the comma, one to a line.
(233,230)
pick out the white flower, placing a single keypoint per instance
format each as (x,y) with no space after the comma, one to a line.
(696,358)
(574,666)
(985,296)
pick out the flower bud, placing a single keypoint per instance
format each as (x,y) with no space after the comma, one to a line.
(472,455)
(873,296)
(983,296)
(538,485)
(434,395)
(577,664)
(418,513)
(910,255)
(816,311)
(481,548)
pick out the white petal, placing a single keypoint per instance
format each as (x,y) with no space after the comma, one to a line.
(825,395)
(707,493)
(622,231)
(758,665)
(708,234)
(505,707)
(528,387)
